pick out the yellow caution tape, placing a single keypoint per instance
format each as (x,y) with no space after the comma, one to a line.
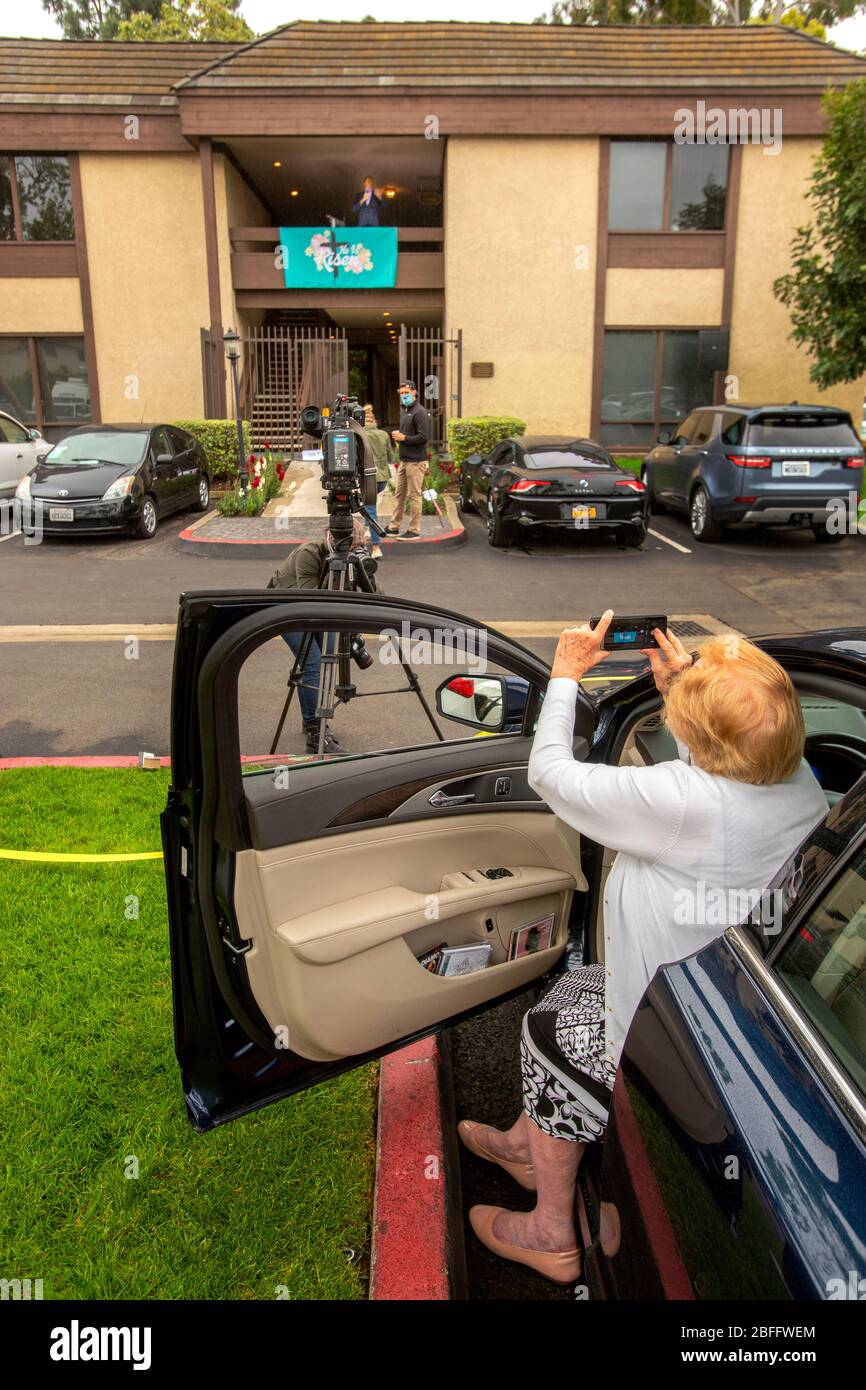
(46,857)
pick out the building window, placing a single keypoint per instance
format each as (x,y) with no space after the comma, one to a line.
(659,186)
(35,198)
(652,379)
(43,381)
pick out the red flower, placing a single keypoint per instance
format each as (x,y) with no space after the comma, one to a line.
(266,446)
(256,481)
(251,459)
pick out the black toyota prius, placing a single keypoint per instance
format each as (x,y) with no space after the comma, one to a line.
(116,478)
(554,482)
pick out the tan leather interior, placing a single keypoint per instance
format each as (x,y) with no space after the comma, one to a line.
(337,923)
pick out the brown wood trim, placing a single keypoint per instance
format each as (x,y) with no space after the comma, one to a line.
(84,287)
(16,200)
(732,211)
(257,270)
(666,250)
(380,804)
(211,241)
(397,300)
(52,130)
(556,111)
(666,192)
(37,383)
(40,259)
(601,253)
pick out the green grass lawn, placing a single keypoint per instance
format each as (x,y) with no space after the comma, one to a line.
(276,1201)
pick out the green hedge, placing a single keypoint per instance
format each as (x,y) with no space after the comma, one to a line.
(478,434)
(219,439)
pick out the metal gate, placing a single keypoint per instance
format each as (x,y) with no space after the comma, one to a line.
(285,369)
(435,364)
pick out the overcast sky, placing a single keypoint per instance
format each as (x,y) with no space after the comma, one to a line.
(28,17)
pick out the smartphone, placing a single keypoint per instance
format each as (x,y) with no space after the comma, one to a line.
(625,634)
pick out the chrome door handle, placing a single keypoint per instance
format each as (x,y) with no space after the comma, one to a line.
(441,799)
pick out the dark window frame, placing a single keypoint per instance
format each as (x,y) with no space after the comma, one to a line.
(19,239)
(666,229)
(44,420)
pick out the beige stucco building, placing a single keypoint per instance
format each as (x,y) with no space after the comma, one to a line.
(563,252)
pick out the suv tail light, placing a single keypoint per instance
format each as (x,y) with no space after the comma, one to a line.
(855,461)
(633,483)
(527,484)
(744,461)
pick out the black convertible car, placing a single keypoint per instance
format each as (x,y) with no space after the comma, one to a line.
(545,481)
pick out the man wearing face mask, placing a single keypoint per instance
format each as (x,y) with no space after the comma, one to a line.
(413,438)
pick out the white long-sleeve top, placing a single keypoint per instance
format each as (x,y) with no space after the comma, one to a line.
(691,845)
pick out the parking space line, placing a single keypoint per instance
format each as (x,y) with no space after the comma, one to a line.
(667,540)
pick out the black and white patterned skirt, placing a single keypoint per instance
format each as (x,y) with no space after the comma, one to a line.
(567,1077)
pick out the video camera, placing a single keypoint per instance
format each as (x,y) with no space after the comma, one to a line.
(348,466)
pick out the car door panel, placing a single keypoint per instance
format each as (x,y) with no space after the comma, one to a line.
(337,925)
(302,909)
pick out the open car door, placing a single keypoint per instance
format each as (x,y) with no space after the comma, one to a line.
(303,891)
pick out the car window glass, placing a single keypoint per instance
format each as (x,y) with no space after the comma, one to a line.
(565,458)
(802,431)
(823,966)
(89,447)
(703,427)
(3,436)
(180,441)
(835,742)
(161,443)
(12,432)
(733,428)
(683,433)
(385,714)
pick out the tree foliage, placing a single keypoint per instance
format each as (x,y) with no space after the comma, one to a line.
(825,291)
(716,12)
(95,19)
(188,19)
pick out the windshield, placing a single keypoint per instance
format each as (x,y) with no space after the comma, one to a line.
(776,431)
(91,450)
(563,458)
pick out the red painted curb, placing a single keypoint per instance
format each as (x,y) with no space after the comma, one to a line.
(410,1243)
(118,760)
(194,538)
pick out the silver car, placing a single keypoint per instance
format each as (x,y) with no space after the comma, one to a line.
(20,447)
(769,465)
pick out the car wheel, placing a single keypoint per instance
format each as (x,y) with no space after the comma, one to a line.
(497,533)
(704,528)
(656,507)
(635,539)
(147,519)
(825,537)
(464,504)
(202,501)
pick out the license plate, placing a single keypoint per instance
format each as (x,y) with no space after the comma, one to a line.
(794,469)
(61,514)
(584,513)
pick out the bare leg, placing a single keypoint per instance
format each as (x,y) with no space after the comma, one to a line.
(511,1144)
(550,1226)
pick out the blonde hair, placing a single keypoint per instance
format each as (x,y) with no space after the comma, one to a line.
(738,713)
(370,414)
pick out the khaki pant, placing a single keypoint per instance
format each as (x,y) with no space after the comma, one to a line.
(407,494)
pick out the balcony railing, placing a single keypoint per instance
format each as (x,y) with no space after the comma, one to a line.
(420,261)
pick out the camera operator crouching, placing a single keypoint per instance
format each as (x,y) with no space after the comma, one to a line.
(305,568)
(413,438)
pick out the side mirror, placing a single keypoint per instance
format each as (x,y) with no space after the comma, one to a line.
(478,701)
(164,458)
(33,435)
(664,437)
(40,458)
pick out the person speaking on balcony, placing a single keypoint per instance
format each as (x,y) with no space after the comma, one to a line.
(413,438)
(368,206)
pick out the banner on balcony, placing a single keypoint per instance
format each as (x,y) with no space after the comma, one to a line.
(338,258)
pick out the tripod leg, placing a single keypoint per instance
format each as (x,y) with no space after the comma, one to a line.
(294,680)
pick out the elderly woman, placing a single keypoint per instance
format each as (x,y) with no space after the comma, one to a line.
(727,813)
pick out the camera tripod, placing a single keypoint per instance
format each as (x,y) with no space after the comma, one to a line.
(343,571)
